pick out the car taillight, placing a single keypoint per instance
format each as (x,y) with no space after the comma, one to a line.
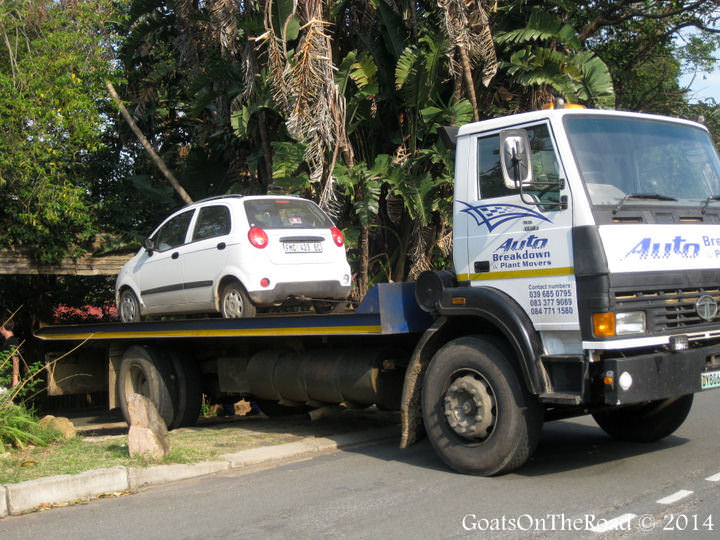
(337,236)
(258,237)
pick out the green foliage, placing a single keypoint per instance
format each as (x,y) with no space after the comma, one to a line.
(51,73)
(18,425)
(552,56)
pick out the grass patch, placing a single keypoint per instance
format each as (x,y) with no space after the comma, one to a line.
(205,442)
(188,445)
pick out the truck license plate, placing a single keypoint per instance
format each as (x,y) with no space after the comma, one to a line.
(302,247)
(710,379)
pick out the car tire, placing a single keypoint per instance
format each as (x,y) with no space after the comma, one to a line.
(128,307)
(235,302)
(147,372)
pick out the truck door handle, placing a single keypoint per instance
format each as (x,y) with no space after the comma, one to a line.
(481,266)
(175,255)
(221,245)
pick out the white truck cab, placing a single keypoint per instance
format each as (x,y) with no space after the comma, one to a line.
(604,228)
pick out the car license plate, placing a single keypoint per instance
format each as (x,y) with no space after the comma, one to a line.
(710,379)
(302,247)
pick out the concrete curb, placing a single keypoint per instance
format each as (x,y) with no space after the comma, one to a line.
(26,496)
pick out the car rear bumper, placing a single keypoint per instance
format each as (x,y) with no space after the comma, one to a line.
(311,289)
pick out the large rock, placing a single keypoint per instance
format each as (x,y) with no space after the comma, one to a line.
(59,423)
(148,436)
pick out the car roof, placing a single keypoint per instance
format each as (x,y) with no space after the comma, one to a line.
(236,197)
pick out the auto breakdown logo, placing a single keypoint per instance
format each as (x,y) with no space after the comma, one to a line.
(494,215)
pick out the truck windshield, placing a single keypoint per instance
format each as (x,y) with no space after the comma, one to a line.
(626,160)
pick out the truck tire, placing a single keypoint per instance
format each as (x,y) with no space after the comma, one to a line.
(477,414)
(189,390)
(149,373)
(648,422)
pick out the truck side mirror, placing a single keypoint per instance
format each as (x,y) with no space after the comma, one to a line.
(515,158)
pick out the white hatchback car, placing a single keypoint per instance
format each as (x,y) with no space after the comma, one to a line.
(232,253)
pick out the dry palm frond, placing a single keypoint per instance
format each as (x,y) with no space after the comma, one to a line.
(306,93)
(422,242)
(470,42)
(190,38)
(277,64)
(225,15)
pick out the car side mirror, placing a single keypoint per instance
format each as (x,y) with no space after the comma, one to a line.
(515,158)
(149,245)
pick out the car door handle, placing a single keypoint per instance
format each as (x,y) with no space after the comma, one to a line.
(221,245)
(175,255)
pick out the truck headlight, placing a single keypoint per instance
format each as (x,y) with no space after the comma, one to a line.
(618,324)
(632,322)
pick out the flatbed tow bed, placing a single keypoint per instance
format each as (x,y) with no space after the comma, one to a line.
(388,309)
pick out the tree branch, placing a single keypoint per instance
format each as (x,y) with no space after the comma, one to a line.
(146,144)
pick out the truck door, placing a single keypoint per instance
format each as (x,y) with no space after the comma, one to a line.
(519,240)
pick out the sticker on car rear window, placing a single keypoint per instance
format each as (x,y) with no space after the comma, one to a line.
(295,221)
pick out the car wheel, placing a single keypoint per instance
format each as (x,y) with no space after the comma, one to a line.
(235,303)
(129,307)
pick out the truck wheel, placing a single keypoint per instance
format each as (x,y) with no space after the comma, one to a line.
(235,303)
(648,422)
(189,390)
(150,375)
(129,307)
(477,414)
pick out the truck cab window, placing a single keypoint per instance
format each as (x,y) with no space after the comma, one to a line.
(546,172)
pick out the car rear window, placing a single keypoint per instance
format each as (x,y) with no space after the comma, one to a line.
(286,214)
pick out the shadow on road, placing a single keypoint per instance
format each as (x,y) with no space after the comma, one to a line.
(565,445)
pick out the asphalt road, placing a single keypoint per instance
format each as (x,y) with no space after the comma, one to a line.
(580,483)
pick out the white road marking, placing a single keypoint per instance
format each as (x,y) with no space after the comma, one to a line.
(613,524)
(675,497)
(714,478)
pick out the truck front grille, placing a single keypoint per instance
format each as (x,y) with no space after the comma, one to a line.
(667,309)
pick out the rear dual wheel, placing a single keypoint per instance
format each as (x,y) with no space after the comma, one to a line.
(477,413)
(170,380)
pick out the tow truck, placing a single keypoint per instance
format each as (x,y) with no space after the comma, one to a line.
(585,280)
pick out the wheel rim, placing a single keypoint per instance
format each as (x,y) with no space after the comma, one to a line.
(470,407)
(233,304)
(128,308)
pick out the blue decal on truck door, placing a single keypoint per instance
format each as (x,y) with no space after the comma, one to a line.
(494,215)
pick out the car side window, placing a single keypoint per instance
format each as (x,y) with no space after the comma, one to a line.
(172,234)
(212,221)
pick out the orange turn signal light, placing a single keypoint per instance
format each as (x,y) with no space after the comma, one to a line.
(603,324)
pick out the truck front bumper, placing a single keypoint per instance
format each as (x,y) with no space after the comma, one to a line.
(659,375)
